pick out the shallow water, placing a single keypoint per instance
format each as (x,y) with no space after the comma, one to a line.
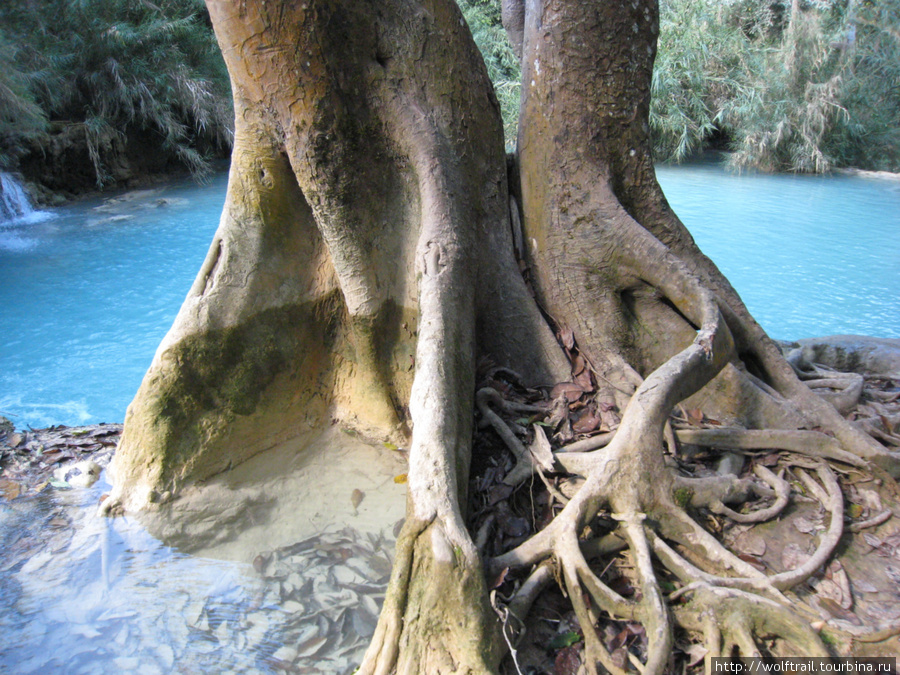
(809,255)
(298,588)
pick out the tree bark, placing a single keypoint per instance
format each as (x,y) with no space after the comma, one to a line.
(365,262)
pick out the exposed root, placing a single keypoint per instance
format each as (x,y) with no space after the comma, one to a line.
(381,655)
(782,491)
(730,618)
(811,443)
(875,521)
(843,390)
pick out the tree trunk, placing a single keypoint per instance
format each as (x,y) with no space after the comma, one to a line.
(365,261)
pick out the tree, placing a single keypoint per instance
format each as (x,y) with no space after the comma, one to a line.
(113,79)
(369,225)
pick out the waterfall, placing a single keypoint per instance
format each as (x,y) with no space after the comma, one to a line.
(13,200)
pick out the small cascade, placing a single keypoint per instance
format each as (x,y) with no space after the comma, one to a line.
(14,202)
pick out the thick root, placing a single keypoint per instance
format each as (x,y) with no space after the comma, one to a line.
(421,628)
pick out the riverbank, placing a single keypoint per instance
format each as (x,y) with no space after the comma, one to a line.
(289,553)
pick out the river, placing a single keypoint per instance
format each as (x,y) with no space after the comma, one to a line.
(88,290)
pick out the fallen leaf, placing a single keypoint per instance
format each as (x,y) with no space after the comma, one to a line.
(622,586)
(567,661)
(499,493)
(579,364)
(695,417)
(584,380)
(500,578)
(751,543)
(869,499)
(864,586)
(872,540)
(540,449)
(619,657)
(803,525)
(356,497)
(838,612)
(615,639)
(567,337)
(514,526)
(753,560)
(10,489)
(571,390)
(588,421)
(311,646)
(829,590)
(695,654)
(793,556)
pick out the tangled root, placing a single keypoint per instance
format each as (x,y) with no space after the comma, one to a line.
(624,476)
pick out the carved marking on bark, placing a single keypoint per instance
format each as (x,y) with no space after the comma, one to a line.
(432,259)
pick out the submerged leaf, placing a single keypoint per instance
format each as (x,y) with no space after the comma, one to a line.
(356,497)
(9,488)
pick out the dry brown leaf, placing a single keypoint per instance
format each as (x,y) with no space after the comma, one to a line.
(583,379)
(500,578)
(499,493)
(10,488)
(571,390)
(869,499)
(568,661)
(567,337)
(579,364)
(695,417)
(863,586)
(836,611)
(872,540)
(828,589)
(588,421)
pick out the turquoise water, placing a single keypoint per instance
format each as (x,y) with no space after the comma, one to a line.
(809,255)
(88,291)
(87,294)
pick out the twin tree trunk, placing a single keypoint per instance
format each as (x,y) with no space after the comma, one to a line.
(365,261)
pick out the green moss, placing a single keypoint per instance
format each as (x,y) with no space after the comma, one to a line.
(223,374)
(683,496)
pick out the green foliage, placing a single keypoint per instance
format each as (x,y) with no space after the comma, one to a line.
(694,74)
(19,112)
(117,65)
(802,86)
(483,17)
